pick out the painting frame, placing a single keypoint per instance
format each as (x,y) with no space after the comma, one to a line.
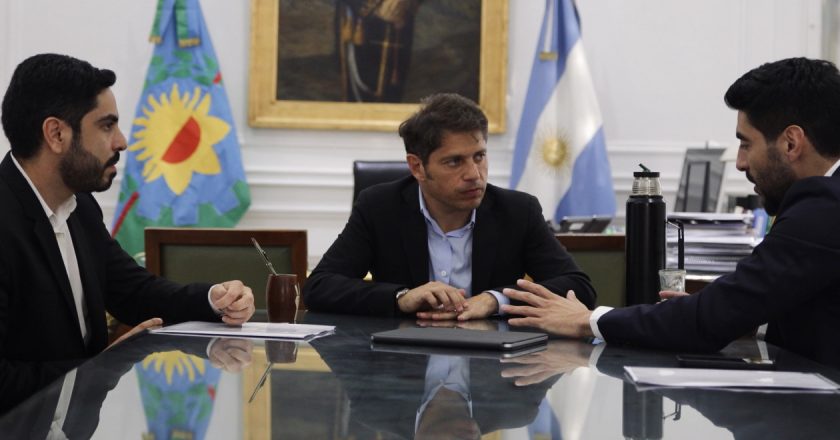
(266,111)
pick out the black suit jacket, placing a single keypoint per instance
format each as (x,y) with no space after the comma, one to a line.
(39,330)
(386,236)
(791,280)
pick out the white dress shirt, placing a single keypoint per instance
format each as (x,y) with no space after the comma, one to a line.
(58,221)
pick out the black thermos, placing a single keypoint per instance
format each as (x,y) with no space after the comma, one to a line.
(644,248)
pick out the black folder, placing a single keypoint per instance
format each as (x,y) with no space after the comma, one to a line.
(461,338)
(477,353)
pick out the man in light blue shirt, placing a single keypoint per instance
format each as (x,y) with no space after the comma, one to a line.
(442,243)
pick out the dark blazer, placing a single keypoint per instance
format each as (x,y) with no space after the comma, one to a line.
(791,280)
(39,330)
(386,236)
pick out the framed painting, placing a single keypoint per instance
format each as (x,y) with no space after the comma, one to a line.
(365,64)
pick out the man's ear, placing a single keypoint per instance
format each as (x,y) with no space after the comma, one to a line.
(795,142)
(57,134)
(415,165)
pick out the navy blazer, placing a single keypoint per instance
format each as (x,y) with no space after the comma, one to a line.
(791,281)
(386,236)
(39,329)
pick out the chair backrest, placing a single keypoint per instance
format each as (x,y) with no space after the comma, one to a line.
(601,257)
(368,173)
(187,255)
(701,180)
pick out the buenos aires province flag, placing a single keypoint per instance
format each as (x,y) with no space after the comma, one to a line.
(560,153)
(184,166)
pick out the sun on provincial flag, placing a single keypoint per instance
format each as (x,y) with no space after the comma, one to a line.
(184,166)
(560,154)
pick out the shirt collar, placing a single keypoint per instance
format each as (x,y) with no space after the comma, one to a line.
(425,211)
(64,209)
(833,168)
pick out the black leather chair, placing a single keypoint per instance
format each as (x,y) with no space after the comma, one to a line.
(368,173)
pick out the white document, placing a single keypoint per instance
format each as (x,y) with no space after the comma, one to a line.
(268,330)
(730,379)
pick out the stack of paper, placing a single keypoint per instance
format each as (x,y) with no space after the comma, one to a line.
(249,330)
(714,243)
(653,377)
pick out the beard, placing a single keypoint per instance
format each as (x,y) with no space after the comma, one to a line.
(773,182)
(82,172)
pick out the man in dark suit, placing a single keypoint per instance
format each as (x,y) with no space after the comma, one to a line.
(789,129)
(441,243)
(59,268)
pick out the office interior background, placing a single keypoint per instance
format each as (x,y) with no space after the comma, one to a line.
(659,67)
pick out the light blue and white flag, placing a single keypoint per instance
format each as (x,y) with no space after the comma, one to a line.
(560,154)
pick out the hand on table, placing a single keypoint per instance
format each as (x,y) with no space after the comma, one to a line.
(235,300)
(147,324)
(547,311)
(478,324)
(668,294)
(475,307)
(433,295)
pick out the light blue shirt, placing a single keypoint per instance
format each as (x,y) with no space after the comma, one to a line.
(450,254)
(450,372)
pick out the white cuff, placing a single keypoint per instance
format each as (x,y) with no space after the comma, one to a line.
(210,301)
(593,320)
(501,299)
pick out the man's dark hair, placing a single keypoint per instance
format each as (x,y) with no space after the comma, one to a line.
(439,114)
(794,91)
(49,85)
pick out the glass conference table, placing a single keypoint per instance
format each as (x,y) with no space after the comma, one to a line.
(342,387)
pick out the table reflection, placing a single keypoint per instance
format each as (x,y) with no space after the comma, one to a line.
(342,387)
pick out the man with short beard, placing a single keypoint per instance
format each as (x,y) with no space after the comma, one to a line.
(789,132)
(60,270)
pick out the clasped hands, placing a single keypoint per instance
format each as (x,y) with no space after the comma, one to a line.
(440,301)
(235,300)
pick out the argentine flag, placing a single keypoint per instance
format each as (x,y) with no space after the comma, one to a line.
(560,154)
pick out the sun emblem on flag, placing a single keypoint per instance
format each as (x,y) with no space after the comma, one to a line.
(177,138)
(555,152)
(175,361)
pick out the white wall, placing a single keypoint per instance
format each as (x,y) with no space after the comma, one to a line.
(660,69)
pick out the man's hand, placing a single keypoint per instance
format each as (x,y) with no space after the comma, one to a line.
(561,356)
(147,324)
(230,354)
(547,311)
(475,307)
(478,324)
(668,294)
(235,300)
(433,295)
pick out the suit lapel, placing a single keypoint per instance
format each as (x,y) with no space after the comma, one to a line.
(414,236)
(92,295)
(42,230)
(484,250)
(41,227)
